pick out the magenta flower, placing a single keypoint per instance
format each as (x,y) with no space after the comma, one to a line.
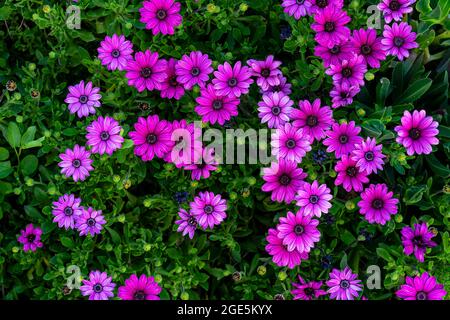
(204,163)
(312,118)
(104,135)
(336,54)
(283,87)
(320,5)
(297,8)
(280,255)
(76,163)
(290,143)
(83,99)
(209,209)
(313,199)
(368,156)
(299,232)
(186,138)
(416,240)
(115,52)
(283,179)
(266,71)
(307,290)
(421,287)
(232,81)
(90,221)
(146,71)
(342,138)
(343,285)
(395,9)
(161,16)
(417,132)
(366,44)
(275,109)
(330,26)
(193,69)
(214,108)
(142,288)
(377,204)
(98,287)
(170,87)
(30,237)
(350,72)
(187,224)
(66,211)
(349,175)
(153,137)
(398,39)
(342,94)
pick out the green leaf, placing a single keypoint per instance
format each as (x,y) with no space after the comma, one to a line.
(29,164)
(28,136)
(13,135)
(32,212)
(344,263)
(70,132)
(347,237)
(373,127)
(437,167)
(67,242)
(4,154)
(5,12)
(114,235)
(34,143)
(174,253)
(384,89)
(5,169)
(414,91)
(382,253)
(414,194)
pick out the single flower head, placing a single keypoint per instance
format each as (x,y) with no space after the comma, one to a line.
(171,87)
(377,204)
(161,16)
(267,72)
(232,81)
(66,211)
(98,287)
(146,71)
(314,199)
(104,136)
(282,87)
(340,51)
(115,52)
(280,254)
(342,94)
(349,72)
(290,143)
(297,8)
(421,287)
(215,108)
(366,44)
(342,138)
(209,209)
(142,288)
(343,285)
(417,239)
(349,175)
(395,9)
(275,109)
(307,290)
(368,155)
(83,99)
(193,69)
(398,40)
(187,223)
(330,26)
(30,237)
(76,163)
(90,222)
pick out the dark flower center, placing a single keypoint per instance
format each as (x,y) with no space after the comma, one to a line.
(309,292)
(347,72)
(344,284)
(139,295)
(300,1)
(232,82)
(146,72)
(421,295)
(173,81)
(414,133)
(336,49)
(398,41)
(217,104)
(394,5)
(276,110)
(369,156)
(68,211)
(161,14)
(195,71)
(311,121)
(104,136)
(344,94)
(76,163)
(329,26)
(322,3)
(313,199)
(31,237)
(209,209)
(90,222)
(351,171)
(115,53)
(366,49)
(343,139)
(83,99)
(290,143)
(265,73)
(98,288)
(377,204)
(151,138)
(192,221)
(298,229)
(284,180)
(276,88)
(418,241)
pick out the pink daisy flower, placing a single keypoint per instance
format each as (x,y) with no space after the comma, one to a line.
(395,9)
(187,224)
(142,288)
(209,209)
(416,240)
(368,156)
(161,16)
(366,44)
(104,135)
(297,8)
(343,285)
(330,26)
(398,39)
(30,237)
(266,71)
(421,287)
(115,52)
(232,81)
(377,204)
(76,163)
(98,287)
(83,99)
(342,138)
(146,71)
(283,87)
(275,109)
(349,175)
(320,5)
(66,211)
(336,54)
(215,108)
(90,222)
(307,290)
(186,138)
(342,94)
(280,255)
(290,143)
(313,199)
(194,69)
(203,164)
(350,72)
(170,87)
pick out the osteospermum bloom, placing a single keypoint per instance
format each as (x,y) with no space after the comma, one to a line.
(83,99)
(334,55)
(283,87)
(193,69)
(170,87)
(161,16)
(280,254)
(232,81)
(215,108)
(290,143)
(204,162)
(416,240)
(366,44)
(349,175)
(297,8)
(342,138)
(395,9)
(104,135)
(66,211)
(275,109)
(142,288)
(209,209)
(312,118)
(146,71)
(299,232)
(98,287)
(307,290)
(90,222)
(421,287)
(76,163)
(350,72)
(30,237)
(342,94)
(320,5)
(283,179)
(115,52)
(153,137)
(417,132)
(330,26)
(377,204)
(368,155)
(185,135)
(266,72)
(343,285)
(187,223)
(398,39)
(314,199)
